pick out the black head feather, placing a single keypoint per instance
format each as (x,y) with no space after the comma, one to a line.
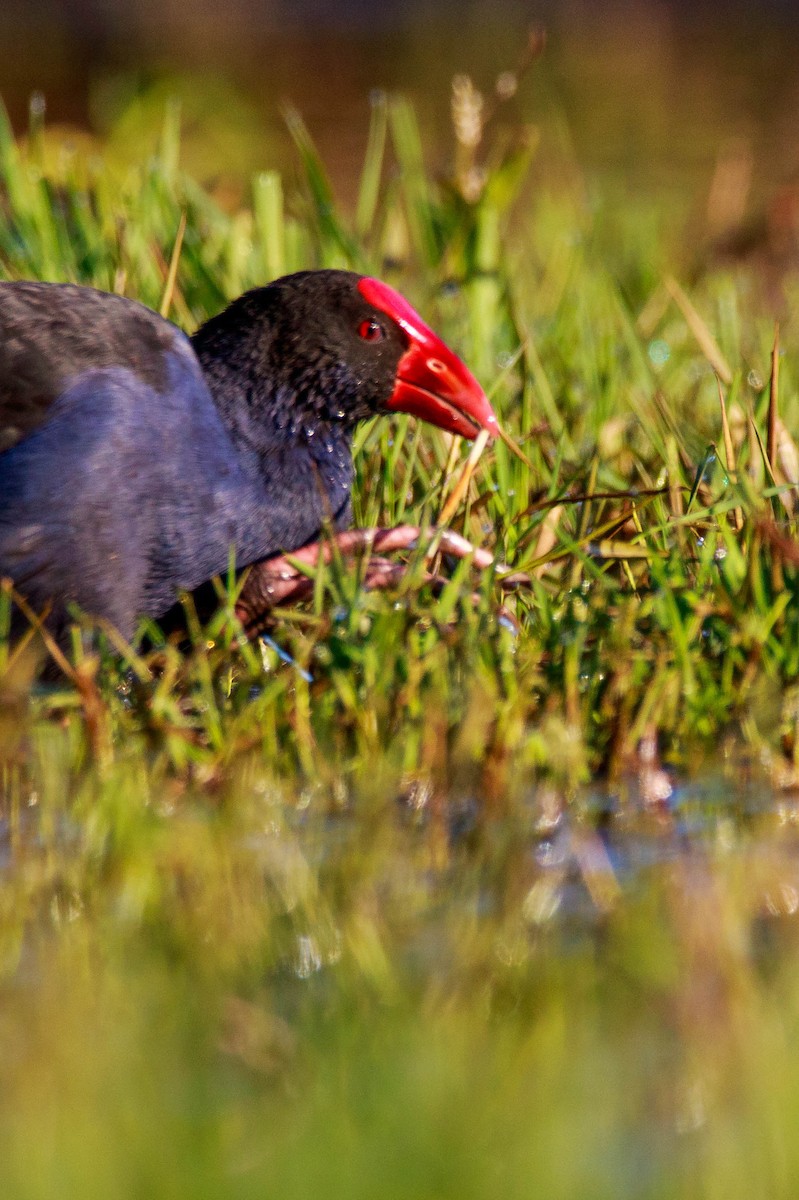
(304,352)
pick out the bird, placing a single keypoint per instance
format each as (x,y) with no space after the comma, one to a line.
(135,460)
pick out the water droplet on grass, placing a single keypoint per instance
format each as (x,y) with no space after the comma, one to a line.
(659,352)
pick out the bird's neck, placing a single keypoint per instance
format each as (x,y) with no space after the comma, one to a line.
(301,463)
(311,468)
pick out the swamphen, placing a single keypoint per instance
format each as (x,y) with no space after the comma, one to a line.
(132,458)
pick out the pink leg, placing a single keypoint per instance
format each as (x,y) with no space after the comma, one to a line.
(279,581)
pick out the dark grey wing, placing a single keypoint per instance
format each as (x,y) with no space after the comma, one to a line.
(128,494)
(51,334)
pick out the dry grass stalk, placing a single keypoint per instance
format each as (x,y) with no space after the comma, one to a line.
(773,400)
(172,274)
(787,454)
(36,622)
(675,483)
(704,338)
(729,454)
(514,447)
(462,486)
(452,460)
(756,442)
(547,538)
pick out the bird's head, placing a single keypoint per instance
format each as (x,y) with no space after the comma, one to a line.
(338,347)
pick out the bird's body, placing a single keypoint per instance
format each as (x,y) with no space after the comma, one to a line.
(134,461)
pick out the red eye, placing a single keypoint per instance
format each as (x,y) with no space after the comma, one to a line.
(370,331)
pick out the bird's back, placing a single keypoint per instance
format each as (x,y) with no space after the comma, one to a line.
(118,484)
(52,334)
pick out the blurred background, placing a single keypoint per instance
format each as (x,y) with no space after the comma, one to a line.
(651,91)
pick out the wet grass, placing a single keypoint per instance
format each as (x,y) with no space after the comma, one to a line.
(347,912)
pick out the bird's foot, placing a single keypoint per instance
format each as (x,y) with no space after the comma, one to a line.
(288,578)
